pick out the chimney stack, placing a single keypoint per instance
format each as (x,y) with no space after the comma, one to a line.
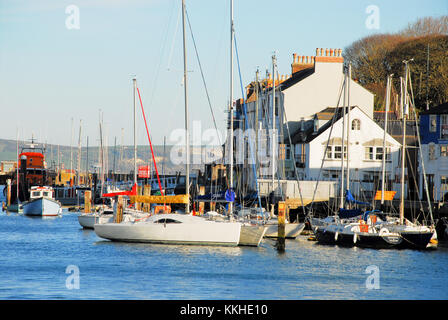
(301,62)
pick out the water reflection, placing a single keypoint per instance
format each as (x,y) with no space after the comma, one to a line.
(174,248)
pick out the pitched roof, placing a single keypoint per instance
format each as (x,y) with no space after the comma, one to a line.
(309,134)
(297,77)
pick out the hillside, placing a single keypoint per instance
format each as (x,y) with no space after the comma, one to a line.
(124,161)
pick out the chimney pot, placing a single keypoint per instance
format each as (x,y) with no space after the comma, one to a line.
(294,59)
(326,52)
(332,52)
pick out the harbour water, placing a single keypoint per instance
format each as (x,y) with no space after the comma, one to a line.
(41,257)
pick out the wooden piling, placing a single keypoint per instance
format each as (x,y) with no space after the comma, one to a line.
(281,226)
(119,213)
(147,192)
(138,205)
(87,201)
(201,204)
(8,192)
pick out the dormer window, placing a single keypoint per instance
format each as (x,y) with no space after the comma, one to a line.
(356,124)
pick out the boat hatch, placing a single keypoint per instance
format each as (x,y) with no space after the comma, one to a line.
(167,221)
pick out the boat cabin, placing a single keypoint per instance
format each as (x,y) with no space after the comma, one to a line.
(41,192)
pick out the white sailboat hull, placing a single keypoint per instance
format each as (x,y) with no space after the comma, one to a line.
(41,207)
(88,220)
(190,230)
(251,235)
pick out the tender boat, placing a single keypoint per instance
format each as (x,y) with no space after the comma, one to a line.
(41,203)
(172,228)
(106,215)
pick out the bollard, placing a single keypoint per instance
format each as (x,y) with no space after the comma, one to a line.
(201,204)
(8,192)
(281,226)
(87,201)
(146,192)
(138,205)
(119,213)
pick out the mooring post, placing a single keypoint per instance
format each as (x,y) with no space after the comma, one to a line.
(87,201)
(147,192)
(138,205)
(281,226)
(8,192)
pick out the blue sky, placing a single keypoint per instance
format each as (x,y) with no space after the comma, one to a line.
(50,74)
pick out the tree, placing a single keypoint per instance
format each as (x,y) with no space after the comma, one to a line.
(374,57)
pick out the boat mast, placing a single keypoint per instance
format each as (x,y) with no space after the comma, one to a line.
(187,136)
(79,153)
(341,204)
(256,120)
(135,132)
(348,124)
(18,162)
(274,142)
(231,104)
(405,106)
(71,153)
(386,110)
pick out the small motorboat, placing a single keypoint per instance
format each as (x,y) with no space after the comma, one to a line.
(42,202)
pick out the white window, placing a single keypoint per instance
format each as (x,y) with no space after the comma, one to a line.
(432,123)
(444,126)
(369,153)
(335,152)
(443,151)
(356,124)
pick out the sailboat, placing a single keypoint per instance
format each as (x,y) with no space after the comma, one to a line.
(368,229)
(172,228)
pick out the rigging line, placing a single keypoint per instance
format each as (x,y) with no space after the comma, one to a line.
(333,120)
(202,76)
(417,129)
(150,144)
(174,38)
(291,151)
(245,119)
(162,49)
(415,184)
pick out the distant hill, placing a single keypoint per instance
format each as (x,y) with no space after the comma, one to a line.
(124,157)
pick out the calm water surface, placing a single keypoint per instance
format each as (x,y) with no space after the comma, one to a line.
(35,254)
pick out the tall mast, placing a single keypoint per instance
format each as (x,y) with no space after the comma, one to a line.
(404,102)
(187,135)
(79,153)
(87,158)
(71,152)
(383,178)
(135,132)
(18,164)
(231,104)
(348,125)
(341,204)
(274,142)
(256,120)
